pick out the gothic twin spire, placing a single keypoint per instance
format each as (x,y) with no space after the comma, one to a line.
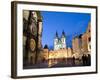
(63,33)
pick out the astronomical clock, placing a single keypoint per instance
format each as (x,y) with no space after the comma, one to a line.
(32,40)
(33,33)
(32,44)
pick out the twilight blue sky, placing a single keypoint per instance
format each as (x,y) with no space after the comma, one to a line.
(73,24)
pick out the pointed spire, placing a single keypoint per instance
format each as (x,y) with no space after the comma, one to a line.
(56,34)
(63,33)
(46,46)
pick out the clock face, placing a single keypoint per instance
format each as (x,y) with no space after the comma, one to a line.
(32,44)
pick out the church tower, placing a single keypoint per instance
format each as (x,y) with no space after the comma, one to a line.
(63,40)
(60,43)
(56,41)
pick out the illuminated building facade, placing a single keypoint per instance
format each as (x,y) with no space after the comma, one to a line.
(60,43)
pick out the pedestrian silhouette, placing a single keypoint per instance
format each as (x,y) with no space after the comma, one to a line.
(88,60)
(84,59)
(73,60)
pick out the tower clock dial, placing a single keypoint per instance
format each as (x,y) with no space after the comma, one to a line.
(32,44)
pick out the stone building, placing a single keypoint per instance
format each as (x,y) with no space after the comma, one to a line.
(82,44)
(86,39)
(43,55)
(60,43)
(57,56)
(69,52)
(32,32)
(76,45)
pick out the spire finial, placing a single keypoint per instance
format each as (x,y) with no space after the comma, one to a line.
(63,33)
(56,34)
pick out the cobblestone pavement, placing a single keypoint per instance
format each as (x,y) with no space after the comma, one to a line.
(69,63)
